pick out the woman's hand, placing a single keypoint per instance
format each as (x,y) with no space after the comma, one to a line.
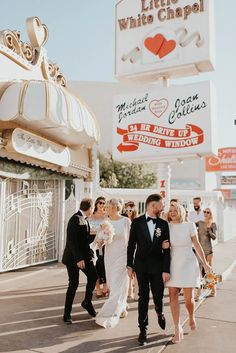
(100,243)
(207,268)
(165,244)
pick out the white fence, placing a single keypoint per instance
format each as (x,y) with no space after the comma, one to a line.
(224,212)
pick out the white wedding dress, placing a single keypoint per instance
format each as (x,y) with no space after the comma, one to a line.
(116,275)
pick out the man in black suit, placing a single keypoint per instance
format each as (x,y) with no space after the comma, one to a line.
(147,257)
(78,256)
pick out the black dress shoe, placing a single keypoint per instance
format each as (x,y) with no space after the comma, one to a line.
(142,338)
(89,307)
(162,321)
(67,320)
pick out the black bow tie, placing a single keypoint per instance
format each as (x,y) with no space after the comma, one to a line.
(152,219)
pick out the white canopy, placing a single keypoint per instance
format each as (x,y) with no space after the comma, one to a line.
(48,110)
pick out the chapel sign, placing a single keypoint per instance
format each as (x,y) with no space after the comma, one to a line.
(169,38)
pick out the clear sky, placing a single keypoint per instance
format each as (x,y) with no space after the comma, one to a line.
(81,41)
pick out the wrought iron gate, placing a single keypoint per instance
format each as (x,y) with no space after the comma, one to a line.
(29,222)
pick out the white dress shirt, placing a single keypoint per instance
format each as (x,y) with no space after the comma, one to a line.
(194,216)
(151,226)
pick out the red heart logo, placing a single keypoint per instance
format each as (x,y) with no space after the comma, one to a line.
(153,44)
(167,47)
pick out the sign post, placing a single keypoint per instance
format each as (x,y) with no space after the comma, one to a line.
(163,177)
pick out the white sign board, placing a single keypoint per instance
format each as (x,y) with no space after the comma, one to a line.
(163,124)
(31,145)
(157,38)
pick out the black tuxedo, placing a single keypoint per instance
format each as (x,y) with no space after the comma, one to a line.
(78,249)
(149,261)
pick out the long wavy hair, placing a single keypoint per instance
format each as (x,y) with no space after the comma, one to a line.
(100,198)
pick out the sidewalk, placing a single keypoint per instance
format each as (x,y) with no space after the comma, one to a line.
(31,306)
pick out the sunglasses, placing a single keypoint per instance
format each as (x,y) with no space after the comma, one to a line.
(208,212)
(101,203)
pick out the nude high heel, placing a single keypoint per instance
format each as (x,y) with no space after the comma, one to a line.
(179,334)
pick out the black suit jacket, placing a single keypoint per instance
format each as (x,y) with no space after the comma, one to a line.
(77,241)
(145,255)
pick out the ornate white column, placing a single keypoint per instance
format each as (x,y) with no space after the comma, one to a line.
(163,180)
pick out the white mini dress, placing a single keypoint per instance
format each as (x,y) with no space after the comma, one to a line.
(184,267)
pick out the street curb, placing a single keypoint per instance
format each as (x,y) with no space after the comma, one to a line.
(203,297)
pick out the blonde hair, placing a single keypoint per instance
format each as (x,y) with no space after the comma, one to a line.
(117,203)
(180,210)
(211,215)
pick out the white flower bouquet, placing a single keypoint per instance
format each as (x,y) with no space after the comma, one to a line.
(105,233)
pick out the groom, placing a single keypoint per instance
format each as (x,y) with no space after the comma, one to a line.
(150,262)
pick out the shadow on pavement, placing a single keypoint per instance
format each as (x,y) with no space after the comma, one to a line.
(119,345)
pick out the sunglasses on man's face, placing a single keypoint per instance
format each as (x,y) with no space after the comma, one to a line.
(207,212)
(101,203)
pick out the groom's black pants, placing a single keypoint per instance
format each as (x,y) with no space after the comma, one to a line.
(147,281)
(73,274)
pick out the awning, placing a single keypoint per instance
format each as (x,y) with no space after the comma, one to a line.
(50,110)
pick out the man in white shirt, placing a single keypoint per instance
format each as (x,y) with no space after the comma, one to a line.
(197,214)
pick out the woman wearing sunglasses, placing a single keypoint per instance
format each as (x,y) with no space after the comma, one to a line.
(132,213)
(99,215)
(207,233)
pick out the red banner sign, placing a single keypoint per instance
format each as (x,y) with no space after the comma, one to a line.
(176,138)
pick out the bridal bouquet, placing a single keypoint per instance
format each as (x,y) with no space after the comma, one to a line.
(210,280)
(105,232)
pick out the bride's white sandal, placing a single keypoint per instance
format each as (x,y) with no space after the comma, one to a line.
(124,314)
(179,334)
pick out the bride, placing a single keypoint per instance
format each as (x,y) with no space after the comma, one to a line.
(115,266)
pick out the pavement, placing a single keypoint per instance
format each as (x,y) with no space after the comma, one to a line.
(31,308)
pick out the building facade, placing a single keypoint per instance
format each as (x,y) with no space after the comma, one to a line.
(47,135)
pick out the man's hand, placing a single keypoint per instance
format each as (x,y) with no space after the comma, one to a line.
(130,272)
(165,276)
(165,244)
(81,264)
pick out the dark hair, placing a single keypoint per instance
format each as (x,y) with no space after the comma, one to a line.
(153,197)
(100,198)
(197,198)
(174,200)
(85,204)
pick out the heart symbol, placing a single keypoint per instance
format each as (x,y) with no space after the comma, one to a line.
(37,32)
(158,106)
(153,44)
(167,47)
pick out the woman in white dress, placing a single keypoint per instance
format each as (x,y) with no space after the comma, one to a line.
(184,269)
(115,266)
